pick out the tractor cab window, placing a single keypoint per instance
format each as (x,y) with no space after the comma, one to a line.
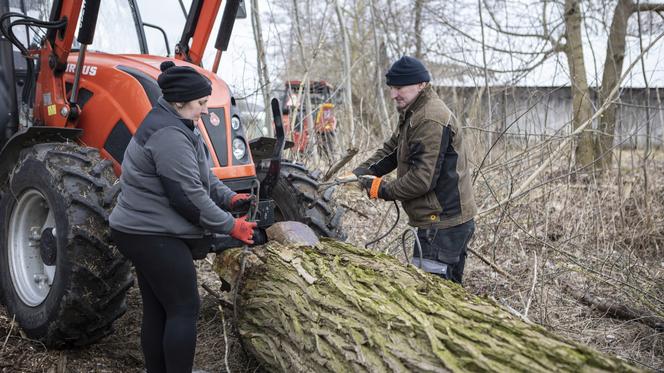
(318,98)
(40,9)
(164,21)
(116,30)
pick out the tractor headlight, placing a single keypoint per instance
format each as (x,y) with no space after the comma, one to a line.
(235,122)
(239,148)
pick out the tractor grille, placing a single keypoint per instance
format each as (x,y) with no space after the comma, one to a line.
(217,134)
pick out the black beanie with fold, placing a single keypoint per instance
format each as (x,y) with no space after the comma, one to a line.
(182,83)
(406,71)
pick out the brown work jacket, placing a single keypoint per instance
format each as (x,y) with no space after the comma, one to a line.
(430,155)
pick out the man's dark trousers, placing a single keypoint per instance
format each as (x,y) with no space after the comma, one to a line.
(446,246)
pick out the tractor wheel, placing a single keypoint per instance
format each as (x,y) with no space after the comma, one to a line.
(297,198)
(61,278)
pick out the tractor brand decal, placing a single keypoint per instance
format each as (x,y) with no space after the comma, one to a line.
(87,69)
(52,110)
(214,119)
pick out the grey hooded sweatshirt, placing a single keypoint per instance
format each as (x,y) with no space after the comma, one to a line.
(167,187)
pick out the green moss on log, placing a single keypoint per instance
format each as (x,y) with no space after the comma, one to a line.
(338,308)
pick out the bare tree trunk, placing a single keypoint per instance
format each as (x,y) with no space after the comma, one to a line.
(647,152)
(261,64)
(613,65)
(348,74)
(385,116)
(337,308)
(419,4)
(581,103)
(305,86)
(487,86)
(309,110)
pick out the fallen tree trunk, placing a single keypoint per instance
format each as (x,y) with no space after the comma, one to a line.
(337,308)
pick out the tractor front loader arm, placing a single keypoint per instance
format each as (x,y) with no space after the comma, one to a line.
(198,28)
(53,106)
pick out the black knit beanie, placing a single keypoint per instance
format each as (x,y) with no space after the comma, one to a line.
(182,83)
(406,71)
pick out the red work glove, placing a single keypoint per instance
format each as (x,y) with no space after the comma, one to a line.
(243,230)
(241,201)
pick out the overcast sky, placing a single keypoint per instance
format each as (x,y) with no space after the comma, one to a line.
(238,64)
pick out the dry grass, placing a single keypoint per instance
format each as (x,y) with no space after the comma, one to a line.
(598,237)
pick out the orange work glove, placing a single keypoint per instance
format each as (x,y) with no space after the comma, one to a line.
(373,186)
(243,230)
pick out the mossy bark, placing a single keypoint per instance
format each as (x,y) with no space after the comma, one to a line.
(338,308)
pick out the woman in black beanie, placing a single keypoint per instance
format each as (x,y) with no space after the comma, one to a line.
(169,197)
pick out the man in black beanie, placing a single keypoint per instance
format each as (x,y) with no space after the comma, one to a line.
(433,176)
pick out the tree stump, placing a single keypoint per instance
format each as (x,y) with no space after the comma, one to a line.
(336,308)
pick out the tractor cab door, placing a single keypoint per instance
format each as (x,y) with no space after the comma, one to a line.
(14,65)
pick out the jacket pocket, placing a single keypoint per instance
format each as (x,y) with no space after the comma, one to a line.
(424,208)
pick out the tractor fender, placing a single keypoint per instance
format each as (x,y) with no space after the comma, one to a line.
(28,137)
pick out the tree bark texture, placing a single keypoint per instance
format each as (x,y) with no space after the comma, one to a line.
(379,67)
(337,308)
(613,67)
(581,103)
(348,73)
(261,65)
(419,4)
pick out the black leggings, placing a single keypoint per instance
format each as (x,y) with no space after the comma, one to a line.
(167,279)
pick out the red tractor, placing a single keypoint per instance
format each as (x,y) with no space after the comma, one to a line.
(68,110)
(297,122)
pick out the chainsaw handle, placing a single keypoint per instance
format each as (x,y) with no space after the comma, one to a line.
(278,128)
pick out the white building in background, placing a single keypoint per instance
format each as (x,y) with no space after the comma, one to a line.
(532,113)
(538,103)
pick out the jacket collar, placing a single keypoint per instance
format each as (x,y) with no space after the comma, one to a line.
(171,110)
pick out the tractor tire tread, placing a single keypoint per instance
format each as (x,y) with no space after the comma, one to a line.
(64,154)
(111,194)
(101,167)
(302,201)
(90,205)
(94,295)
(302,178)
(76,172)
